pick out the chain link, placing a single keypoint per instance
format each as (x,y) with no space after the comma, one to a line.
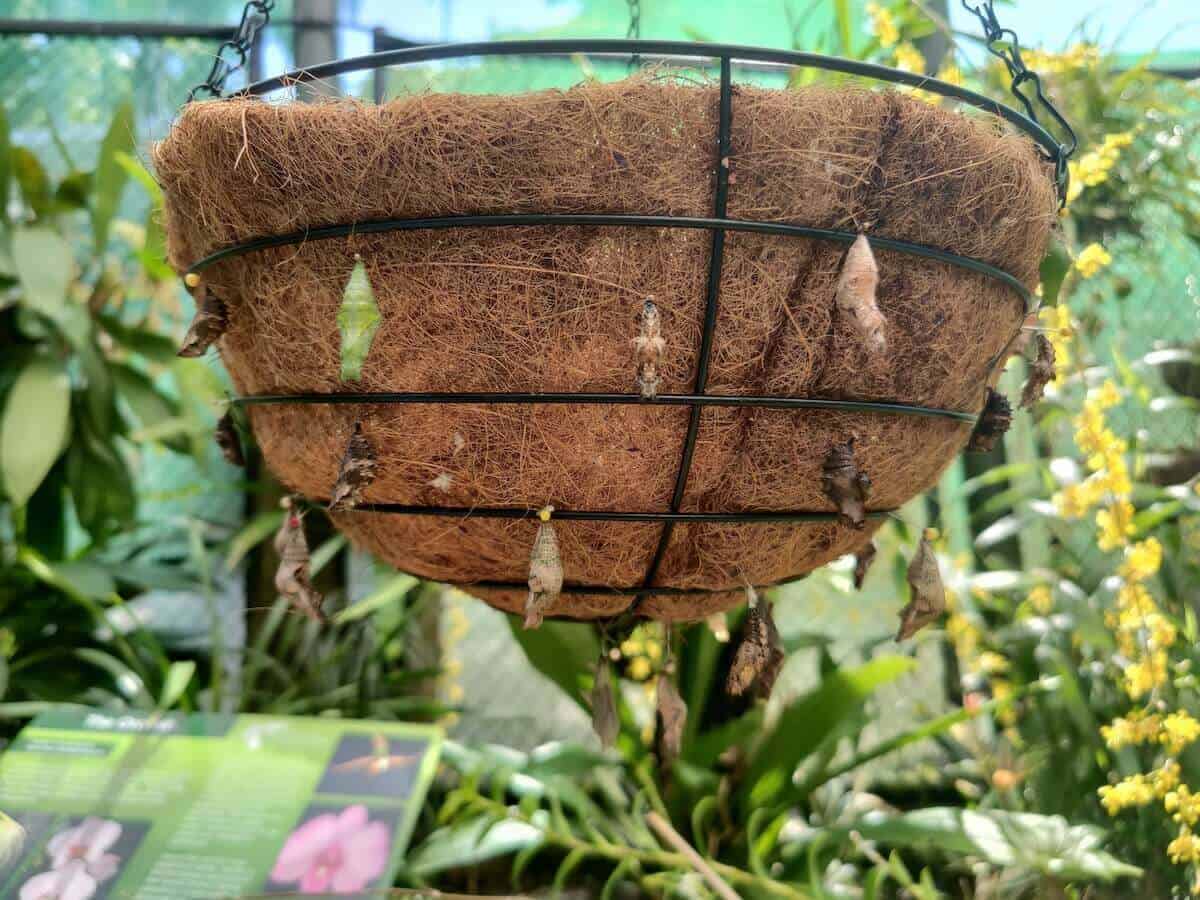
(233,54)
(634,31)
(1004,45)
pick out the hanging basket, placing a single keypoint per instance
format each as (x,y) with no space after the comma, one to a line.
(511,243)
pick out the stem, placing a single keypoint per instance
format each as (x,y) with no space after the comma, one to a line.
(672,837)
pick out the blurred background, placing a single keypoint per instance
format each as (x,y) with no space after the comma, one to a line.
(136,572)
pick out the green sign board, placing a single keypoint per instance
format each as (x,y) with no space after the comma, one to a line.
(174,806)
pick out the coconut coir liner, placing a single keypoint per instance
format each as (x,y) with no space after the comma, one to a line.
(556,309)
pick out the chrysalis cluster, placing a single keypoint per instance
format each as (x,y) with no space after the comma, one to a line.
(292,578)
(650,347)
(355,473)
(845,486)
(545,571)
(927,596)
(855,295)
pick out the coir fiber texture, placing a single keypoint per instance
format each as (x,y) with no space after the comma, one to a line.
(556,309)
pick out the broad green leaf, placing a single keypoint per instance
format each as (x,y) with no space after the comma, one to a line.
(358,321)
(1048,845)
(100,482)
(33,431)
(127,681)
(155,347)
(110,174)
(812,719)
(149,407)
(395,588)
(707,747)
(472,842)
(73,192)
(565,652)
(87,579)
(45,267)
(31,177)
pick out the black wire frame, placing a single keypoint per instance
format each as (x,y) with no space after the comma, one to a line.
(718,224)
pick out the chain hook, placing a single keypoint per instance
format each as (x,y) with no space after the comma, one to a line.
(255,16)
(1005,46)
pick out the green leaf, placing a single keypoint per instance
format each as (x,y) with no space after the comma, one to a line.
(110,174)
(6,164)
(149,407)
(470,843)
(33,431)
(1054,269)
(812,719)
(100,483)
(155,347)
(31,178)
(179,676)
(394,589)
(252,534)
(358,321)
(73,191)
(1048,845)
(45,267)
(133,167)
(564,652)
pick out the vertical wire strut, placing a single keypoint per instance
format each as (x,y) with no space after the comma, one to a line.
(715,260)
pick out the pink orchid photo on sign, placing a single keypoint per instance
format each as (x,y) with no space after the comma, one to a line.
(336,851)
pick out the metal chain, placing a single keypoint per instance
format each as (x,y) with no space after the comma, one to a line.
(1004,45)
(233,54)
(634,31)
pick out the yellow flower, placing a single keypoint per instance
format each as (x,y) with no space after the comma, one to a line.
(909,59)
(1185,848)
(1134,598)
(1132,730)
(1183,805)
(1115,525)
(1146,674)
(951,74)
(1108,395)
(1091,260)
(1133,791)
(1178,730)
(1041,599)
(991,663)
(1142,560)
(883,25)
(639,668)
(1080,56)
(1166,778)
(1057,322)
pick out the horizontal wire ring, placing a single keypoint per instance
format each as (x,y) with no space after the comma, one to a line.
(586,398)
(604,515)
(507,220)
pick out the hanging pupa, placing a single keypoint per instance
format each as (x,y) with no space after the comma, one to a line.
(759,657)
(292,578)
(862,564)
(208,324)
(604,705)
(855,296)
(927,596)
(993,422)
(358,320)
(226,436)
(545,571)
(650,347)
(845,486)
(355,473)
(1041,372)
(670,713)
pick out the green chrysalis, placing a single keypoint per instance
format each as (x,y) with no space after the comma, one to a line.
(358,320)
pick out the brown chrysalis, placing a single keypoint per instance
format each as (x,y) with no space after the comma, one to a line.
(670,716)
(759,657)
(862,564)
(650,346)
(855,295)
(292,577)
(227,439)
(356,472)
(845,485)
(209,323)
(545,571)
(993,422)
(927,597)
(604,705)
(1041,372)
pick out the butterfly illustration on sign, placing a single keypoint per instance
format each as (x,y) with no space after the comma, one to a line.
(378,761)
